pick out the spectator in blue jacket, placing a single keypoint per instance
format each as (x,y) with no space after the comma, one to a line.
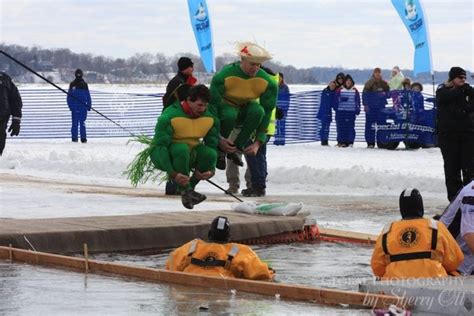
(325,111)
(283,104)
(347,106)
(79,102)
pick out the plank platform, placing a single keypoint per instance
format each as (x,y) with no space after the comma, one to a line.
(134,232)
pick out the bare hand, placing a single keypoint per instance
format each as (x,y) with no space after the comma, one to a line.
(227,145)
(252,149)
(181,179)
(366,108)
(203,175)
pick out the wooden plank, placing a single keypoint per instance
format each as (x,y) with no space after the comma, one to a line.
(343,235)
(293,292)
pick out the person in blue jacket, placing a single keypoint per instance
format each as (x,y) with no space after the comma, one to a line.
(347,106)
(79,102)
(283,105)
(325,111)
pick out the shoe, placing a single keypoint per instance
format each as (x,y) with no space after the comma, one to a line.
(370,145)
(220,164)
(83,140)
(74,140)
(233,190)
(171,188)
(189,198)
(197,197)
(324,143)
(251,192)
(235,159)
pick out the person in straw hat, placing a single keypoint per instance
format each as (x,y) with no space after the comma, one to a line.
(243,97)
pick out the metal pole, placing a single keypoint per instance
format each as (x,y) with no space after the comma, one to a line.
(225,191)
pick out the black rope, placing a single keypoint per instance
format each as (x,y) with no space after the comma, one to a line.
(66,92)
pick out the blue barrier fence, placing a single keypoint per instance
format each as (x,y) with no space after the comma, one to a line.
(46,115)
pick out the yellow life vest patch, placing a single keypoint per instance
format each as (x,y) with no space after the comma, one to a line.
(243,90)
(190,131)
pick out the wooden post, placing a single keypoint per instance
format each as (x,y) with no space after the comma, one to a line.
(10,252)
(86,258)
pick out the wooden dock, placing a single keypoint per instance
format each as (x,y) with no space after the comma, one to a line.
(134,232)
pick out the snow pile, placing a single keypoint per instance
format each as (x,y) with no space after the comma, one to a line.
(293,169)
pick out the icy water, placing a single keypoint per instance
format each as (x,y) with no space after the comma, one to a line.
(32,290)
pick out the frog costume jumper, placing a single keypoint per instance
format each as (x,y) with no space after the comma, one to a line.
(244,99)
(185,139)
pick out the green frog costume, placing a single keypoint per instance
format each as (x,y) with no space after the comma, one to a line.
(242,103)
(181,143)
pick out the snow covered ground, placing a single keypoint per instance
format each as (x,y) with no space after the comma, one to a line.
(303,169)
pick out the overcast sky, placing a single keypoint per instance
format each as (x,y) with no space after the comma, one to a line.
(303,33)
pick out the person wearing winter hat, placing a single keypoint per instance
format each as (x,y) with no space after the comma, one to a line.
(179,85)
(415,247)
(243,97)
(218,257)
(455,127)
(177,89)
(79,103)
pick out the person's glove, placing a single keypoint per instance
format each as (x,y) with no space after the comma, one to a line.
(279,114)
(14,129)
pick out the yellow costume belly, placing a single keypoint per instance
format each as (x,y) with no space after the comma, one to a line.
(190,131)
(241,90)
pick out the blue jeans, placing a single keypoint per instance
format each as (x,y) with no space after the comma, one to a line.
(257,165)
(78,120)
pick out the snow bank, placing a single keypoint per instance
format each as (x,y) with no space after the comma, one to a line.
(293,169)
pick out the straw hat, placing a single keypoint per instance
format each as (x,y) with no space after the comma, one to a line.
(252,52)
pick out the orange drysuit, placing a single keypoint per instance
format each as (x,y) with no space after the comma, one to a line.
(416,248)
(228,260)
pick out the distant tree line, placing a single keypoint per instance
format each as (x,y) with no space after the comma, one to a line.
(59,65)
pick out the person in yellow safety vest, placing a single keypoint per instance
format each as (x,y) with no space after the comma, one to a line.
(415,247)
(218,257)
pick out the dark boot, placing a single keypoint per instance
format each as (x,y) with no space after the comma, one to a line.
(253,192)
(235,159)
(171,188)
(83,140)
(220,164)
(197,197)
(189,198)
(324,143)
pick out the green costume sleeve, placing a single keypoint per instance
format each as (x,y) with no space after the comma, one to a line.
(268,101)
(217,89)
(162,140)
